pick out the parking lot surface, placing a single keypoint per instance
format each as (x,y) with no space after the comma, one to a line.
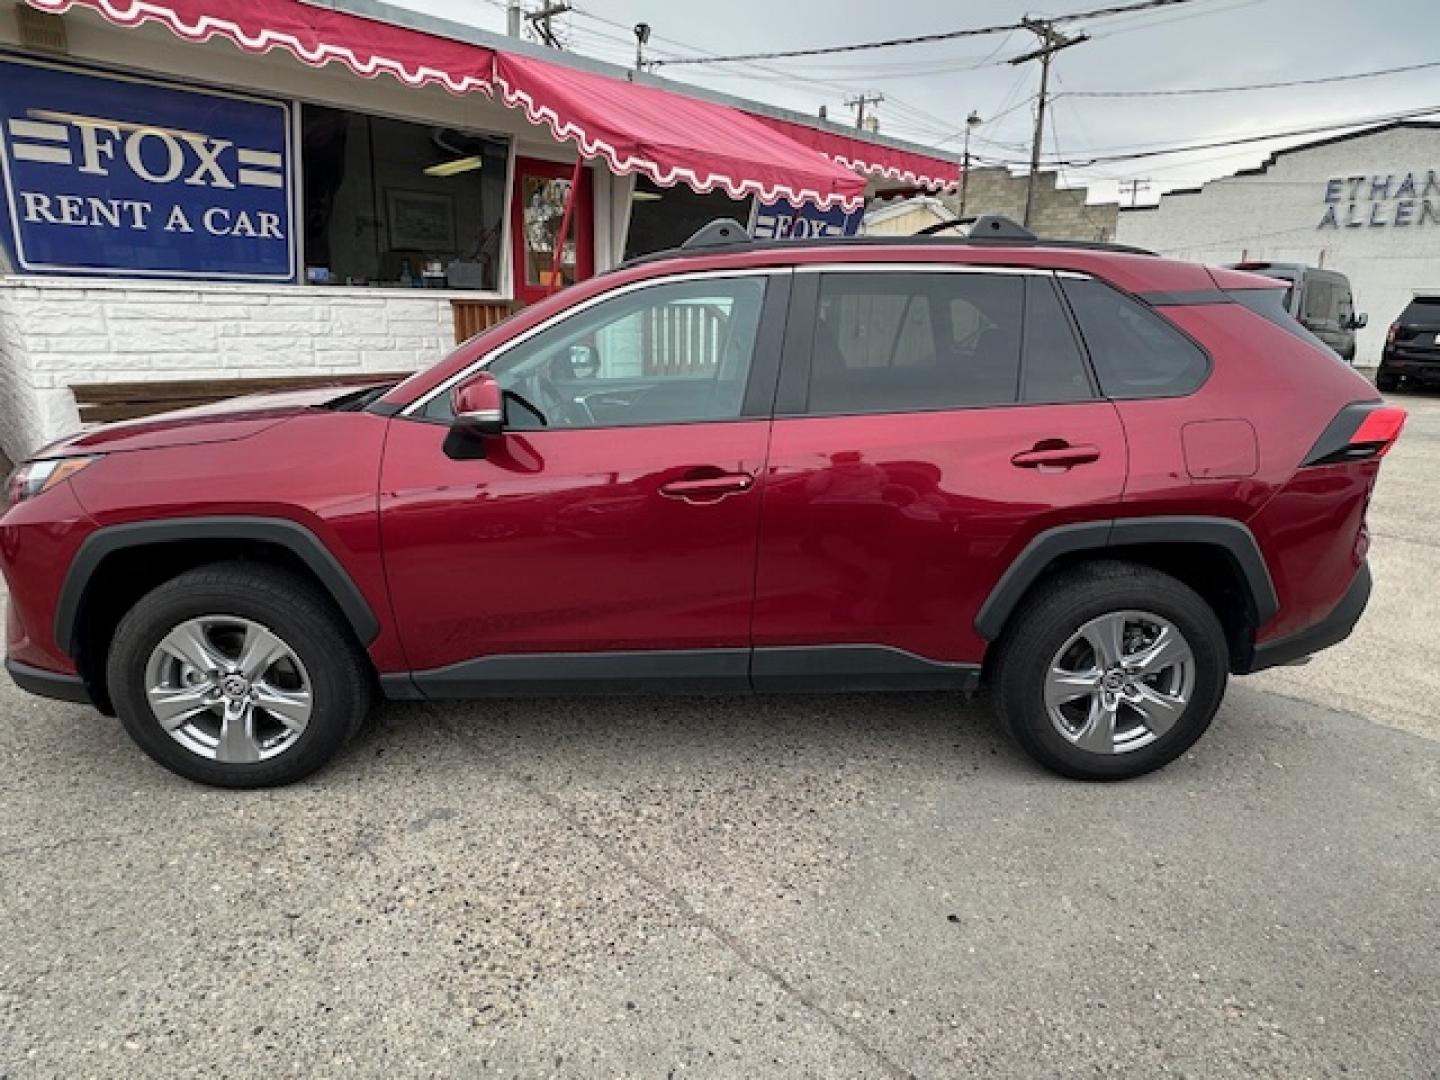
(808,886)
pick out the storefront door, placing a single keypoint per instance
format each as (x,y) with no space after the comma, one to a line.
(541,190)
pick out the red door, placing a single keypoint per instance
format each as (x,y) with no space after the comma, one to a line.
(890,531)
(542,189)
(923,457)
(619,512)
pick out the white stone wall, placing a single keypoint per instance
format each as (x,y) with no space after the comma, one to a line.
(1276,215)
(19,423)
(56,333)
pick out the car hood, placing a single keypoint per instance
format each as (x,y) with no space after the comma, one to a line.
(222,421)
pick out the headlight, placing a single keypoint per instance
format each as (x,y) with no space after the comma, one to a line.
(34,477)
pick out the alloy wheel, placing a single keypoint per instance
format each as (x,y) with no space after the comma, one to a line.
(1120,682)
(228,689)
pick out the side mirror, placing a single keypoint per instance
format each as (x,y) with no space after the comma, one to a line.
(478,405)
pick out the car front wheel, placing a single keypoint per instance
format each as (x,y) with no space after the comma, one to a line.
(1110,671)
(238,675)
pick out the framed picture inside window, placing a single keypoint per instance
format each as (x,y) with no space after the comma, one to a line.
(420,220)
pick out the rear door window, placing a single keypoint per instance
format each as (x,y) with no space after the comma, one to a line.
(1136,353)
(900,341)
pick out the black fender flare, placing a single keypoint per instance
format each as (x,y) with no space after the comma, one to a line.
(290,535)
(1233,537)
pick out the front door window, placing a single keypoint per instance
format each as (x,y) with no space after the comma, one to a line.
(667,353)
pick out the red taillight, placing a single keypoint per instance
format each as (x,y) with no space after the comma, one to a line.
(1392,333)
(1362,431)
(1380,428)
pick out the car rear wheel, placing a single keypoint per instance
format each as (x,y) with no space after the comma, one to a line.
(1386,380)
(238,675)
(1110,671)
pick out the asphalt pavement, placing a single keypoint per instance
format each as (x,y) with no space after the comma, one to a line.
(808,886)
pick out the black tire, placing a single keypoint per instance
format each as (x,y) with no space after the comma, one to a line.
(1054,612)
(1386,380)
(342,683)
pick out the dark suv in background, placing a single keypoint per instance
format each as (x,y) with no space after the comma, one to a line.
(1096,480)
(1412,345)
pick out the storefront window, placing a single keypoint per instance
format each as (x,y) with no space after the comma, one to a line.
(400,204)
(664,218)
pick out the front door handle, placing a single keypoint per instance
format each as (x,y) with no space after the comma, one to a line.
(708,489)
(1053,454)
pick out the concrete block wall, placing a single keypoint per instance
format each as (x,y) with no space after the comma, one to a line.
(1059,213)
(55,334)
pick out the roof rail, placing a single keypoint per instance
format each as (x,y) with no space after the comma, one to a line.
(984,227)
(727,234)
(722,232)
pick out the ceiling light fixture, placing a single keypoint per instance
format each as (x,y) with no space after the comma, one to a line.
(453,168)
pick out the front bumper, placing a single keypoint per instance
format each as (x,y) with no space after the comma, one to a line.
(50,684)
(1331,630)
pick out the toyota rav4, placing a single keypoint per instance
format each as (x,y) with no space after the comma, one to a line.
(1097,480)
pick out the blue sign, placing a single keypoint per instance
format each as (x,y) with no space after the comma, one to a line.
(109,174)
(783,220)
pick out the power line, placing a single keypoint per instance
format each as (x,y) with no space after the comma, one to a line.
(925,39)
(1409,114)
(1118,9)
(1251,86)
(1145,21)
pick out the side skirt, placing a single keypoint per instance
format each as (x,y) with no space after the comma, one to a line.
(799,669)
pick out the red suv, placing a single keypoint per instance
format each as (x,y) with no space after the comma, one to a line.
(1097,480)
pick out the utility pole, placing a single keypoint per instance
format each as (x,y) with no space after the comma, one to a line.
(512,18)
(540,21)
(1133,188)
(972,122)
(1052,41)
(858,103)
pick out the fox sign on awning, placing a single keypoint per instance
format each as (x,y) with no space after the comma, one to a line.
(113,175)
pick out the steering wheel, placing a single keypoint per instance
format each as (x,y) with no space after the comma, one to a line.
(563,411)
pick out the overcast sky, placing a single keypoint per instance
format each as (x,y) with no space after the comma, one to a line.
(929,89)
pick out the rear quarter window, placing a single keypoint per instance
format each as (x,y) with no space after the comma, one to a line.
(1270,304)
(1136,353)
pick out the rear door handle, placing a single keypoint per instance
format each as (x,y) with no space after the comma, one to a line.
(1055,454)
(708,489)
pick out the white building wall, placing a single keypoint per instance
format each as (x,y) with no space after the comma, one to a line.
(20,411)
(1277,215)
(56,333)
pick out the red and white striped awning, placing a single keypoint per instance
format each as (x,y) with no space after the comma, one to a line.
(671,138)
(873,159)
(633,127)
(313,35)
